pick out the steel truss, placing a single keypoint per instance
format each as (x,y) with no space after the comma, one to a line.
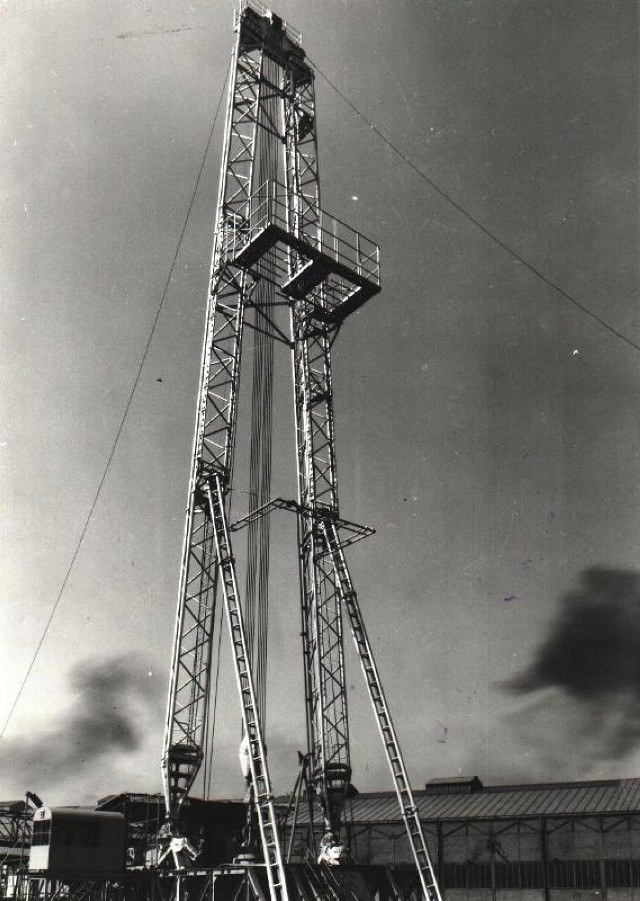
(234,882)
(274,230)
(83,887)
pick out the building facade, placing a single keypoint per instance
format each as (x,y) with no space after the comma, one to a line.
(577,841)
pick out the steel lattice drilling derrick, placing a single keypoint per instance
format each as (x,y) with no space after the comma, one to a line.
(274,247)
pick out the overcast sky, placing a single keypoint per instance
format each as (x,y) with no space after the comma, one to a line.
(486,427)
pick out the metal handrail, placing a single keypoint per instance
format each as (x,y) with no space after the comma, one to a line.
(324,232)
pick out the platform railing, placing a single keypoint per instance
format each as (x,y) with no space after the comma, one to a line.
(321,232)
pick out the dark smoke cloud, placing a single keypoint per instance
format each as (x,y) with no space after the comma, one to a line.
(104,718)
(103,722)
(594,645)
(592,656)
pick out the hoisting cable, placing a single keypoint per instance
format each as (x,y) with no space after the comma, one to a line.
(209,747)
(260,452)
(266,423)
(483,228)
(127,407)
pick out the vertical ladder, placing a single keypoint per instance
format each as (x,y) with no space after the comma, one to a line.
(263,797)
(392,748)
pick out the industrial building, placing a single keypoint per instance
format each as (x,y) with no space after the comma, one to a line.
(560,840)
(547,842)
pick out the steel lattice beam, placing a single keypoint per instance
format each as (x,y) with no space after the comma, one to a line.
(277,234)
(327,722)
(213,445)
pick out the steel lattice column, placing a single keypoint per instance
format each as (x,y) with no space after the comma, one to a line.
(327,722)
(213,447)
(208,562)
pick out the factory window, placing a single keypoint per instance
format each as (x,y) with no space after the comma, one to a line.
(529,874)
(522,874)
(479,875)
(622,873)
(41,833)
(580,874)
(467,875)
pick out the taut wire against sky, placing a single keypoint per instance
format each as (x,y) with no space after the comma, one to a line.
(123,418)
(457,205)
(483,228)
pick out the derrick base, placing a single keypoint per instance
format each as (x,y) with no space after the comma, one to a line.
(305,882)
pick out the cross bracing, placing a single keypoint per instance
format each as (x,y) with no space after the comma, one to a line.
(274,246)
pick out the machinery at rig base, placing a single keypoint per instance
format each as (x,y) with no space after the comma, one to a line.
(71,840)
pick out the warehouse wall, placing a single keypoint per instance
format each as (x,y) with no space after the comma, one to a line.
(571,858)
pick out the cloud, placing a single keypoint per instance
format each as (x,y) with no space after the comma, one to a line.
(593,647)
(103,720)
(583,684)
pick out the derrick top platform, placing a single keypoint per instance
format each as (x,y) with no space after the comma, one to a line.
(275,232)
(260,27)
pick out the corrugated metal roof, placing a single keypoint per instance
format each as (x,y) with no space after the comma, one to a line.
(504,802)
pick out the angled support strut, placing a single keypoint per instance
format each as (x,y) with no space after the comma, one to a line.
(262,794)
(383,716)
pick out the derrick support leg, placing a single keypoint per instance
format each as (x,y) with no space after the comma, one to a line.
(262,794)
(408,808)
